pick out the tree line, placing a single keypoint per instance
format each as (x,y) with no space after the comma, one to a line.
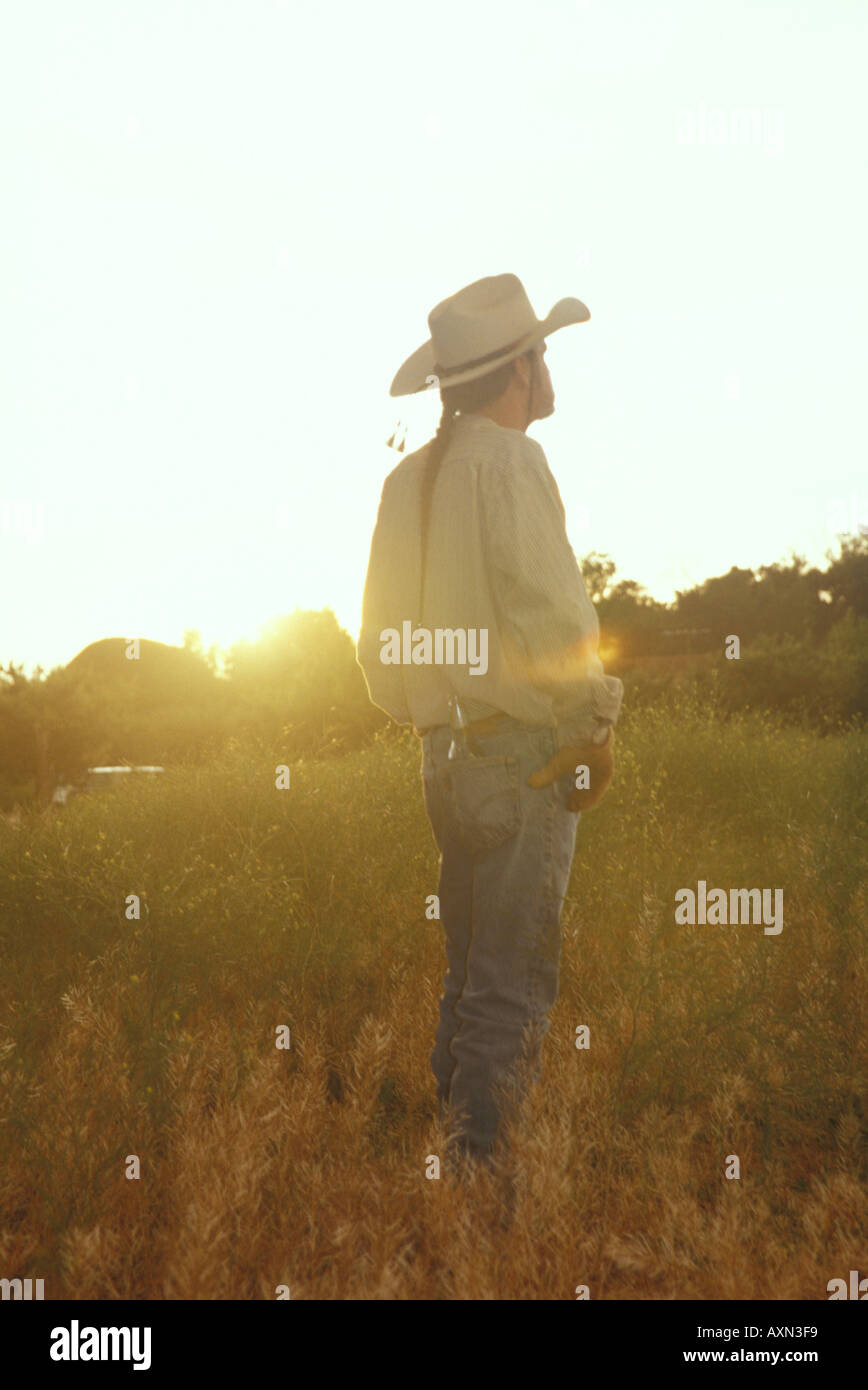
(803,634)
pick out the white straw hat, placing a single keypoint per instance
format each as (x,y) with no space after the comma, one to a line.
(478,329)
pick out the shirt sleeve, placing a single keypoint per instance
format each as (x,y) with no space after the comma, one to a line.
(549,625)
(385,682)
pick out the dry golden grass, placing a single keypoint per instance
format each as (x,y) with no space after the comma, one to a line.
(306,1167)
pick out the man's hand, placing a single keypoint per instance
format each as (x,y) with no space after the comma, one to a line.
(599,761)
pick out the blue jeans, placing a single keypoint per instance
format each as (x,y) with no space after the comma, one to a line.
(505,857)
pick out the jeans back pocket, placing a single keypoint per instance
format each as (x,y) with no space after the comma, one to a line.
(486,800)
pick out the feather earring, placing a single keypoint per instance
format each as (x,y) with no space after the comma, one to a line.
(391,441)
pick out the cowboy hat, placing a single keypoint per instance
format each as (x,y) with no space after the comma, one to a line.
(478,329)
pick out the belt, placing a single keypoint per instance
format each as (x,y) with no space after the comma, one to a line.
(478,726)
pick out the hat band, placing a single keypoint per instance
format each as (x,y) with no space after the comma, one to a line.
(480,361)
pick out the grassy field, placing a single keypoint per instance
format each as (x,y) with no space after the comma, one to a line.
(306,1167)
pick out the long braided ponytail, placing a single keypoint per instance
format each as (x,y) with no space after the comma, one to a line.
(436,450)
(470,396)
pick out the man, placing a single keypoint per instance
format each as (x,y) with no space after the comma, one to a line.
(471,536)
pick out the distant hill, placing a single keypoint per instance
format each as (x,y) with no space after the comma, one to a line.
(108,707)
(161,672)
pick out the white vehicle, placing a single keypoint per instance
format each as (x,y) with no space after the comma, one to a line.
(103,778)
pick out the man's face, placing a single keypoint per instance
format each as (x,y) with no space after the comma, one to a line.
(544,392)
(543,399)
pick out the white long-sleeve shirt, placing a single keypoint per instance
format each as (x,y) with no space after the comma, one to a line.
(498,559)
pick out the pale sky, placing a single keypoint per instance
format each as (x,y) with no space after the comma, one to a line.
(224,225)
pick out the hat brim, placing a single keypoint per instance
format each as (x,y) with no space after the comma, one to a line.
(417,373)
